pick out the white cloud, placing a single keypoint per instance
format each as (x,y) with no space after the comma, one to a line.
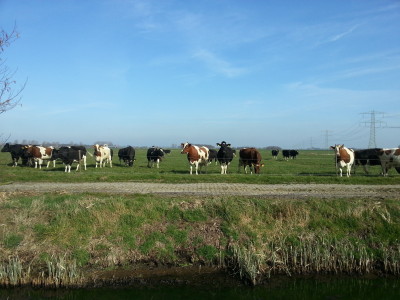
(218,65)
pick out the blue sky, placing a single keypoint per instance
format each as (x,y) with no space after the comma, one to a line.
(293,74)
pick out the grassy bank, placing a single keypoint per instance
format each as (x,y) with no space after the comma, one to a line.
(61,239)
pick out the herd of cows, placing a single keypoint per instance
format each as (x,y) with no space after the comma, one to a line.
(197,156)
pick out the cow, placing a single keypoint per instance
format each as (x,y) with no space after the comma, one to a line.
(154,156)
(224,156)
(71,154)
(365,157)
(293,154)
(344,157)
(389,158)
(197,156)
(250,157)
(212,156)
(39,154)
(275,153)
(286,154)
(102,155)
(17,151)
(127,155)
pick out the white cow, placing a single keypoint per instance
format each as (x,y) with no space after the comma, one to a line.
(102,155)
(344,158)
(389,158)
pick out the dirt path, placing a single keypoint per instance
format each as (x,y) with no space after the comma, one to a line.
(291,191)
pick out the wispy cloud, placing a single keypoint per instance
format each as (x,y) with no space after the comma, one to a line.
(218,65)
(341,35)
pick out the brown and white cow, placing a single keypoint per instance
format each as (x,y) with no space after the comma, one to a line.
(102,155)
(344,157)
(250,157)
(39,154)
(389,158)
(197,156)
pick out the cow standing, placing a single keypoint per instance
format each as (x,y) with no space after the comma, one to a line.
(197,156)
(344,157)
(212,156)
(71,154)
(154,156)
(250,157)
(17,151)
(39,154)
(224,156)
(389,158)
(275,153)
(293,153)
(127,155)
(367,157)
(102,155)
(286,154)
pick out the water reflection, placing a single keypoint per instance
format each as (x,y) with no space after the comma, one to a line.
(343,288)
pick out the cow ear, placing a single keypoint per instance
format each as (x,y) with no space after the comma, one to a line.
(218,144)
(332,147)
(229,145)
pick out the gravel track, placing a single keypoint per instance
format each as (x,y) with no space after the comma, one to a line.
(291,191)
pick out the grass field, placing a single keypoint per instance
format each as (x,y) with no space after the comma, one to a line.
(309,167)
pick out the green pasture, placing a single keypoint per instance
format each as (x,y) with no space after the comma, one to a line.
(311,166)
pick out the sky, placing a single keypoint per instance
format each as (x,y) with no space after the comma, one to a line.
(293,74)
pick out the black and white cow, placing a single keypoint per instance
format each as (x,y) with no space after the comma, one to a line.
(275,153)
(17,151)
(293,153)
(154,155)
(212,156)
(367,157)
(71,154)
(224,156)
(286,154)
(127,155)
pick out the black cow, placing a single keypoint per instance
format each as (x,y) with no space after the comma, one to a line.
(71,154)
(154,155)
(293,153)
(365,157)
(127,155)
(17,151)
(212,156)
(275,153)
(224,156)
(286,154)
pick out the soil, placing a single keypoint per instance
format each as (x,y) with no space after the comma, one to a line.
(283,191)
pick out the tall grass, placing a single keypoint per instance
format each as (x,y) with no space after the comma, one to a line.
(63,237)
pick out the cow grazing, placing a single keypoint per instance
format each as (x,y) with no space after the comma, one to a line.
(197,156)
(212,156)
(286,154)
(224,156)
(39,154)
(71,154)
(102,155)
(275,153)
(17,151)
(293,153)
(250,157)
(154,156)
(127,155)
(389,158)
(344,157)
(367,157)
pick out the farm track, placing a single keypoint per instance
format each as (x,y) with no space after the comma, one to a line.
(281,191)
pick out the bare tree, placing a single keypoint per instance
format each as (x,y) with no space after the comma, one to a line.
(10,96)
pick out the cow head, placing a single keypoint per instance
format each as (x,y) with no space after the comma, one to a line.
(185,147)
(96,150)
(223,144)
